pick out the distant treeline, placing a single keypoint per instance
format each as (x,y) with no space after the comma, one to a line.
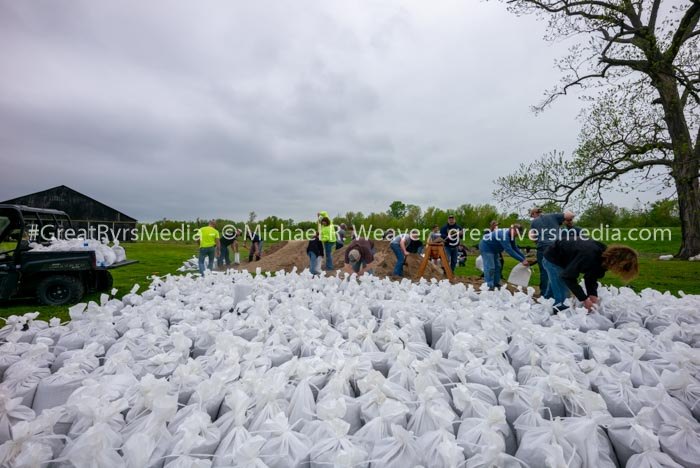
(663,213)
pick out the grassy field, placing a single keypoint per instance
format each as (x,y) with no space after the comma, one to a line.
(166,257)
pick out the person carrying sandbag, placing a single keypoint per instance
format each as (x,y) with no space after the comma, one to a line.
(492,244)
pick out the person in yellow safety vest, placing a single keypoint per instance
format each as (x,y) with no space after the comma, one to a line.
(328,237)
(209,245)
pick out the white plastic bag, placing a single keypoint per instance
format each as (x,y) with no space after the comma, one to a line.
(284,447)
(398,451)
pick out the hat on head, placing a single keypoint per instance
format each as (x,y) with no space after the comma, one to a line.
(354,255)
(535,210)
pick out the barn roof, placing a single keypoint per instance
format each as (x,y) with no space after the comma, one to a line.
(17,200)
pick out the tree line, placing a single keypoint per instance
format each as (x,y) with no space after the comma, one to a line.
(402,216)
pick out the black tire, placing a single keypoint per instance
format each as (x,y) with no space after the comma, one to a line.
(104,281)
(60,290)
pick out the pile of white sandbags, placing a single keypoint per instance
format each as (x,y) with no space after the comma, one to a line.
(190,265)
(295,371)
(105,254)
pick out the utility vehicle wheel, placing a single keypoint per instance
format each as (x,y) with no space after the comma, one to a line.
(60,290)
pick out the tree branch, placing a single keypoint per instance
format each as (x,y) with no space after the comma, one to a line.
(685,30)
(653,14)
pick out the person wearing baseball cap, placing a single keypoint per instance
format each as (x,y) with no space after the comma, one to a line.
(492,244)
(360,257)
(451,234)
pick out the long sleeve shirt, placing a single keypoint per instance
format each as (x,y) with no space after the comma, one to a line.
(577,257)
(501,240)
(451,234)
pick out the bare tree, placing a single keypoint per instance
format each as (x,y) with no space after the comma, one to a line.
(639,61)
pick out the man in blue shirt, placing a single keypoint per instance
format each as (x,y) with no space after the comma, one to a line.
(452,235)
(492,244)
(545,230)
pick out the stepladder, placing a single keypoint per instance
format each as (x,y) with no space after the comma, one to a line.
(435,251)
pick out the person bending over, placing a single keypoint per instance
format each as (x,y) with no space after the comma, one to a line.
(565,260)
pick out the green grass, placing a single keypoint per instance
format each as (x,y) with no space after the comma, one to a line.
(161,258)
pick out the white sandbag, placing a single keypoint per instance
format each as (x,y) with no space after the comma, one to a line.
(232,427)
(55,389)
(36,355)
(527,374)
(338,450)
(147,439)
(248,453)
(398,451)
(439,449)
(493,458)
(629,438)
(473,400)
(661,407)
(476,371)
(516,399)
(23,381)
(520,275)
(284,447)
(302,406)
(391,413)
(680,439)
(683,386)
(342,407)
(12,411)
(433,413)
(479,263)
(548,445)
(591,442)
(641,372)
(97,447)
(476,435)
(620,398)
(196,435)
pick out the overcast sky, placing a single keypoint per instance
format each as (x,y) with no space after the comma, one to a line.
(213,109)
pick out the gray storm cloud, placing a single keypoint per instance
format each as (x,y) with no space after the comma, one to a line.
(185,109)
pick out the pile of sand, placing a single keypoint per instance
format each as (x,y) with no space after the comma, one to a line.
(287,255)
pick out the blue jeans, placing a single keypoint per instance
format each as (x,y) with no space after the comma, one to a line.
(400,259)
(223,258)
(206,252)
(452,254)
(328,252)
(557,287)
(544,277)
(313,264)
(492,269)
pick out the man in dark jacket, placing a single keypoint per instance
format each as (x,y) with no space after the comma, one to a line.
(545,230)
(452,235)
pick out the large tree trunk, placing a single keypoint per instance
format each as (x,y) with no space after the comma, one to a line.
(689,208)
(686,164)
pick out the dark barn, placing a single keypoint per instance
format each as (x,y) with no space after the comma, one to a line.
(85,212)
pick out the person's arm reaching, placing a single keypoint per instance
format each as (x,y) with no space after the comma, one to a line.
(591,282)
(402,244)
(570,277)
(513,250)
